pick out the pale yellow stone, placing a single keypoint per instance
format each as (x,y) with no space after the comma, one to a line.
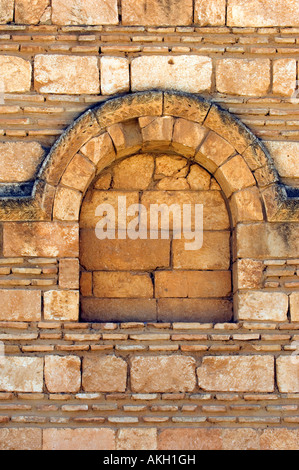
(280,439)
(20,305)
(104,374)
(199,179)
(237,374)
(187,136)
(85,12)
(241,439)
(286,157)
(114,75)
(191,73)
(288,373)
(263,306)
(248,77)
(134,173)
(79,173)
(294,306)
(63,374)
(6,11)
(284,77)
(234,175)
(157,12)
(61,305)
(100,151)
(19,161)
(20,439)
(169,165)
(30,11)
(79,439)
(137,439)
(264,13)
(72,75)
(21,374)
(67,204)
(210,13)
(15,74)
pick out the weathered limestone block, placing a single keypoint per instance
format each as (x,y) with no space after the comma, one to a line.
(20,305)
(198,179)
(191,73)
(187,136)
(190,439)
(21,374)
(72,75)
(41,239)
(280,439)
(284,77)
(210,13)
(287,368)
(30,11)
(79,439)
(104,374)
(63,374)
(122,285)
(234,175)
(79,173)
(262,14)
(15,74)
(294,306)
(246,206)
(115,75)
(137,439)
(163,374)
(67,204)
(214,151)
(243,76)
(134,173)
(191,107)
(61,305)
(87,12)
(248,274)
(126,137)
(69,273)
(264,306)
(6,11)
(100,151)
(157,12)
(285,155)
(157,134)
(241,439)
(237,374)
(19,161)
(20,439)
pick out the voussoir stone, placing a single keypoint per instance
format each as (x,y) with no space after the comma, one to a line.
(237,374)
(163,374)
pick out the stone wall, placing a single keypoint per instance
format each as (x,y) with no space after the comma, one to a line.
(85,326)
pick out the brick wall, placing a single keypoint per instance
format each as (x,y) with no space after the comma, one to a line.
(86,325)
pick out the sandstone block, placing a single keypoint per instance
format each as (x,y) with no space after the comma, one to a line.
(20,305)
(114,75)
(19,161)
(195,310)
(187,136)
(294,306)
(63,374)
(242,13)
(6,11)
(134,173)
(15,74)
(284,77)
(285,155)
(21,374)
(126,137)
(191,74)
(137,439)
(61,305)
(241,439)
(157,133)
(30,11)
(176,374)
(211,13)
(100,151)
(90,12)
(280,439)
(198,179)
(79,439)
(214,151)
(243,76)
(264,306)
(79,173)
(104,374)
(118,285)
(118,310)
(71,75)
(157,13)
(234,175)
(190,439)
(237,374)
(287,368)
(67,204)
(69,273)
(246,206)
(20,439)
(42,239)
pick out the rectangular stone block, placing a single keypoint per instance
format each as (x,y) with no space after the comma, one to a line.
(21,374)
(137,439)
(61,305)
(69,273)
(287,368)
(157,12)
(191,73)
(79,439)
(118,310)
(122,285)
(284,77)
(237,374)
(192,284)
(280,439)
(104,374)
(176,374)
(263,306)
(195,310)
(15,74)
(19,161)
(89,12)
(248,77)
(41,239)
(210,13)
(243,13)
(30,11)
(59,74)
(6,11)
(123,255)
(115,75)
(20,305)
(20,439)
(63,374)
(286,156)
(294,306)
(190,439)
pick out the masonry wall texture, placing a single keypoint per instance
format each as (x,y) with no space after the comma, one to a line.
(142,344)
